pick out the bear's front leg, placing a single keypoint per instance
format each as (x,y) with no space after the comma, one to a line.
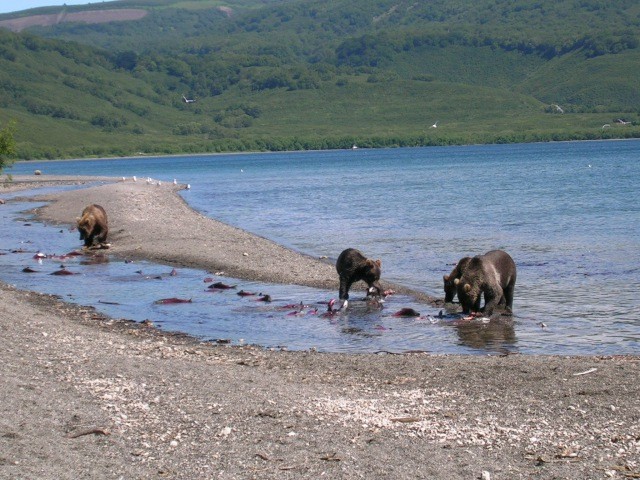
(343,294)
(491,299)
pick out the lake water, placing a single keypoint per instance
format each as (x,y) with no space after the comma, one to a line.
(568,213)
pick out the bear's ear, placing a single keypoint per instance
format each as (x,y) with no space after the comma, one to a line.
(456,281)
(378,263)
(467,287)
(445,278)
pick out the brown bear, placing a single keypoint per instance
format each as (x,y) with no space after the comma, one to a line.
(492,274)
(352,266)
(93,226)
(449,280)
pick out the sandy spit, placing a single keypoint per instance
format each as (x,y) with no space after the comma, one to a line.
(85,396)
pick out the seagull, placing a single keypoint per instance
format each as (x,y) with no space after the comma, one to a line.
(134,178)
(187,100)
(435,125)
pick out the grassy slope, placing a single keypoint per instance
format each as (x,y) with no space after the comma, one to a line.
(477,95)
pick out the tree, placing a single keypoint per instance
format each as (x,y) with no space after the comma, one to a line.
(7,145)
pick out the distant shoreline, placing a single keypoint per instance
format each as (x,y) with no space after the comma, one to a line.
(274,152)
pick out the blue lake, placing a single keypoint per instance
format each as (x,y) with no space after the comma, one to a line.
(568,213)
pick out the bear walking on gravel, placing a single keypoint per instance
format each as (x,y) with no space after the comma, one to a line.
(352,266)
(93,226)
(492,274)
(449,280)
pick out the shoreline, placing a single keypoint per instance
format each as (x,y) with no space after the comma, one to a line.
(89,396)
(204,243)
(253,152)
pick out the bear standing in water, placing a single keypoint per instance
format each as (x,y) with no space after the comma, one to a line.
(93,226)
(352,266)
(492,274)
(449,280)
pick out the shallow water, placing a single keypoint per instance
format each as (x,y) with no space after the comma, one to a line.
(568,213)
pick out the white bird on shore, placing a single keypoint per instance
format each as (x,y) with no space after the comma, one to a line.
(159,183)
(435,125)
(124,179)
(135,179)
(188,186)
(175,182)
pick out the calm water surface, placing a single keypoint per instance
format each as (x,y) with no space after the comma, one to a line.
(568,213)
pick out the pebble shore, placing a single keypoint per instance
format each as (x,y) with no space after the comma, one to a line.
(86,396)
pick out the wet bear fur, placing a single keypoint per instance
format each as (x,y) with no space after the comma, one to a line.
(93,226)
(492,275)
(449,280)
(352,266)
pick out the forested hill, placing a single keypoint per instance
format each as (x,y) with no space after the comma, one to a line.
(289,74)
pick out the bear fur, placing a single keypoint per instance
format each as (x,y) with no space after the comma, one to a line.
(449,280)
(93,226)
(352,266)
(492,275)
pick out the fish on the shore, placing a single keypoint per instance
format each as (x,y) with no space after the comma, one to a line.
(330,310)
(221,286)
(62,271)
(172,300)
(407,312)
(298,306)
(244,293)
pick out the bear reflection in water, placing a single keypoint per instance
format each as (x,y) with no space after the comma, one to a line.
(497,334)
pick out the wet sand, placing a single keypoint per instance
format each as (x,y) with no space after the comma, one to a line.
(84,396)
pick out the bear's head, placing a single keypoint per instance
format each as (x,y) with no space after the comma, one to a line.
(85,226)
(371,276)
(449,288)
(468,294)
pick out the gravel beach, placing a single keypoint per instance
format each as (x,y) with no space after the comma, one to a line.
(86,396)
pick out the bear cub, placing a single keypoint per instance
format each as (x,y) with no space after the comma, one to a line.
(450,280)
(93,226)
(352,266)
(492,275)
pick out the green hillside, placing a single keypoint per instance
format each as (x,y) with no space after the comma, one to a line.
(307,74)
